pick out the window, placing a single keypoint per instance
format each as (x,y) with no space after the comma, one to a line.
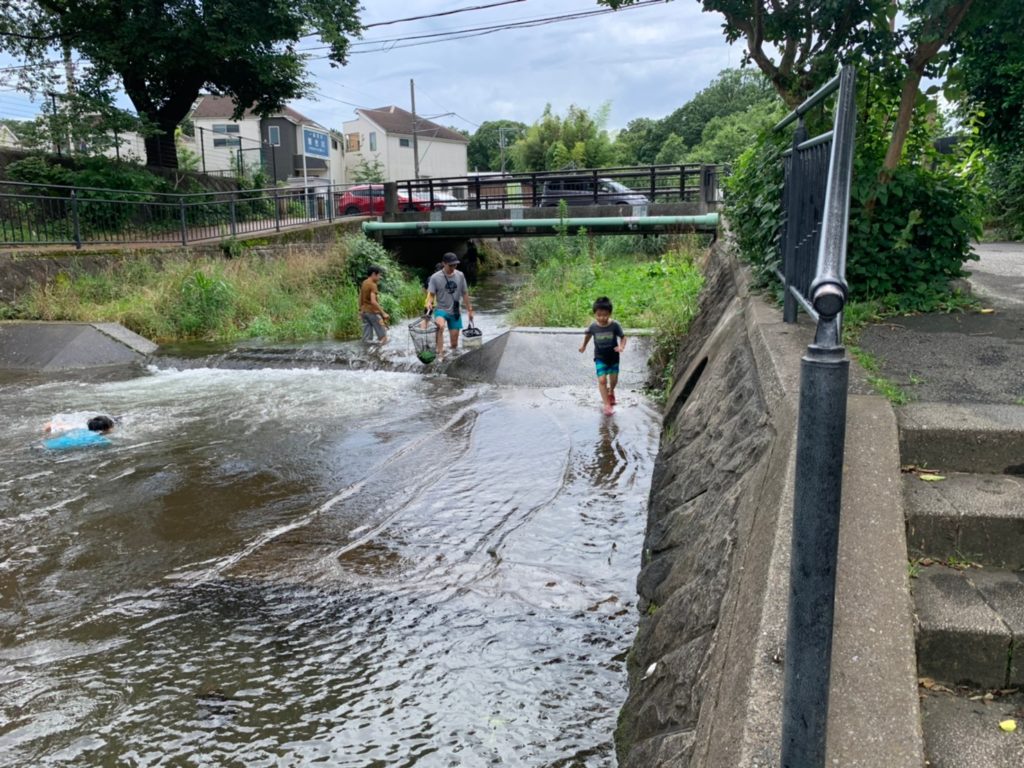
(226,127)
(404,143)
(352,142)
(334,143)
(227,142)
(274,135)
(373,141)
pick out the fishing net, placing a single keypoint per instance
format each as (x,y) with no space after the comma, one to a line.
(424,338)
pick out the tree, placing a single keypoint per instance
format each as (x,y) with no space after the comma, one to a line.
(988,81)
(798,45)
(553,142)
(638,143)
(725,138)
(366,170)
(165,53)
(484,152)
(733,91)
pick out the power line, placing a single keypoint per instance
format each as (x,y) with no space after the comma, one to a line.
(442,13)
(460,34)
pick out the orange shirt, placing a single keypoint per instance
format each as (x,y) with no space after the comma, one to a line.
(366,294)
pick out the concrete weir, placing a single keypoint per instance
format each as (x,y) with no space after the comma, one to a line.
(547,357)
(54,347)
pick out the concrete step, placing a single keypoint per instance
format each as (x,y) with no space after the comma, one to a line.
(961,733)
(968,623)
(963,437)
(979,518)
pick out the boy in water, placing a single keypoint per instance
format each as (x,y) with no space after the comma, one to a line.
(64,433)
(609,341)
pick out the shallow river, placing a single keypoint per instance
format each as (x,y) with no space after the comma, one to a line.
(315,566)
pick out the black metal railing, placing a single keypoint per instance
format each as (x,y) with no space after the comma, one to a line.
(36,214)
(816,207)
(593,186)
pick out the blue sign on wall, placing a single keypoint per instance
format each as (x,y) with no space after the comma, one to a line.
(315,143)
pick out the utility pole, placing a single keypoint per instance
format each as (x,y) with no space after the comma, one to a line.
(415,132)
(53,121)
(502,130)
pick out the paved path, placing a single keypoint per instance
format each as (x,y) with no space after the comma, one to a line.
(965,357)
(999,274)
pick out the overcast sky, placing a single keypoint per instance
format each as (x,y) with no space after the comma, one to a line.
(644,61)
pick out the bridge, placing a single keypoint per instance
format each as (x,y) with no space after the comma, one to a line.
(661,199)
(657,199)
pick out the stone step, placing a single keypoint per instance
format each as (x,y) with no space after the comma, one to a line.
(963,437)
(963,733)
(979,518)
(968,623)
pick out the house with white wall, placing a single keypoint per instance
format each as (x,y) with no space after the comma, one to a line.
(288,145)
(8,138)
(385,135)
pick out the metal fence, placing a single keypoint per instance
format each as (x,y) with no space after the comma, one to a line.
(596,186)
(816,206)
(36,214)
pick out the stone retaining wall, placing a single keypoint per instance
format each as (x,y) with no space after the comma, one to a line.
(706,669)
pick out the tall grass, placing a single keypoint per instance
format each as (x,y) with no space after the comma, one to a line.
(653,283)
(303,294)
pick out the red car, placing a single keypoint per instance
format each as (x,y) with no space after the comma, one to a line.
(368,200)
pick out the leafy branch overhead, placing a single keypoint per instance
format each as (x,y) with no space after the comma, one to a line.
(164,54)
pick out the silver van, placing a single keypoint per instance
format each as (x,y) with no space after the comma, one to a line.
(580,191)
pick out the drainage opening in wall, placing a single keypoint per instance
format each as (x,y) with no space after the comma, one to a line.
(684,394)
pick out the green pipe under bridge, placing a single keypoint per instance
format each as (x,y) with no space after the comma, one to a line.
(541,226)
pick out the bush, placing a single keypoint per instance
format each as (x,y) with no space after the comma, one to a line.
(753,205)
(1005,178)
(908,236)
(917,235)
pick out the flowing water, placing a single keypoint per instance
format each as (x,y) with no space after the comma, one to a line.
(318,566)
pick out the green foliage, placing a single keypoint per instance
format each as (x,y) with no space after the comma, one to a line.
(1005,182)
(36,169)
(909,234)
(653,283)
(304,295)
(484,150)
(732,92)
(988,79)
(162,54)
(366,170)
(553,142)
(726,137)
(915,237)
(753,205)
(203,303)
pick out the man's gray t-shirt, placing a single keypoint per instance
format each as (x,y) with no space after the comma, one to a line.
(447,290)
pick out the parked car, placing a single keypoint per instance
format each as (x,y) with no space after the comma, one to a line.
(580,191)
(368,200)
(446,201)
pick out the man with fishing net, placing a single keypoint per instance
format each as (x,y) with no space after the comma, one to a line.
(446,291)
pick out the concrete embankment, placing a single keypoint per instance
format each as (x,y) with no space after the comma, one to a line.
(706,670)
(56,347)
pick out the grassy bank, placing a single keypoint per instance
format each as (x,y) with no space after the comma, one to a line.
(653,283)
(307,293)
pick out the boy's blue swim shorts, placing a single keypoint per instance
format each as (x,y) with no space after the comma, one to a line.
(605,369)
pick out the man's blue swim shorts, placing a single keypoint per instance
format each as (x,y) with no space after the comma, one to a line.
(454,321)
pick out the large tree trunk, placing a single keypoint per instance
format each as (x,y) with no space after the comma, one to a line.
(940,29)
(161,150)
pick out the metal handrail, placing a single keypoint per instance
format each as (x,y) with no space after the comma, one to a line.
(821,429)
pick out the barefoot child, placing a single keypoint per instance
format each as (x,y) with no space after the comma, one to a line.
(609,341)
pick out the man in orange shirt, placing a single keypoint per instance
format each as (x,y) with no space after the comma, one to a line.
(374,317)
